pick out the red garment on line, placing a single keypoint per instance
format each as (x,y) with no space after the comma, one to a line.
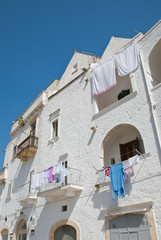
(107,171)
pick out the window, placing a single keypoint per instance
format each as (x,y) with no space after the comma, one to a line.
(14,151)
(75,68)
(9,191)
(128,150)
(112,161)
(55,129)
(33,129)
(4,234)
(64,208)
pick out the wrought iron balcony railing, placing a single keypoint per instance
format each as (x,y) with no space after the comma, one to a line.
(27,148)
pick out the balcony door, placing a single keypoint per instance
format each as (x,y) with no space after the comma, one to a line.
(33,133)
(33,129)
(65,232)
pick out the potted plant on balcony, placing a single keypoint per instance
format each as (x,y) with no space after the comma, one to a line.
(123,93)
(21,122)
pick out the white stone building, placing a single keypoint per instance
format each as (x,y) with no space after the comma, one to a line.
(66,124)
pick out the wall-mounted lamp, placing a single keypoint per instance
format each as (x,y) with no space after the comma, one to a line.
(86,80)
(32,231)
(4,150)
(84,69)
(94,128)
(11,235)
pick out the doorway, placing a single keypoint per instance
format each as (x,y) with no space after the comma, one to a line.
(65,232)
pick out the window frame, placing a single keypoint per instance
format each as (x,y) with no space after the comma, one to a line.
(14,152)
(9,191)
(124,153)
(55,127)
(54,118)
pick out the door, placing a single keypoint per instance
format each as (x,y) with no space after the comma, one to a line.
(33,129)
(22,231)
(130,227)
(65,232)
(32,134)
(22,236)
(5,235)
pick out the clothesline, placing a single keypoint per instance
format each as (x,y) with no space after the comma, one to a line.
(118,173)
(55,173)
(127,153)
(47,168)
(104,76)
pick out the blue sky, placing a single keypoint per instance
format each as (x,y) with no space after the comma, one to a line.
(38,39)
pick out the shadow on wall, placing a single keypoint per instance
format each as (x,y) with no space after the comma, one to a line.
(53,213)
(22,175)
(102,197)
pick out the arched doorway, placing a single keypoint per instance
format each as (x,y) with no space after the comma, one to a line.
(22,231)
(4,234)
(65,232)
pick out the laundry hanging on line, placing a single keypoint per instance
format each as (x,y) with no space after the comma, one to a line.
(117,176)
(128,166)
(108,171)
(56,173)
(127,60)
(104,77)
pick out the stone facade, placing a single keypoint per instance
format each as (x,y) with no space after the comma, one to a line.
(90,130)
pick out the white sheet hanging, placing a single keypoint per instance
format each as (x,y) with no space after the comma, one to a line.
(127,60)
(104,76)
(35,182)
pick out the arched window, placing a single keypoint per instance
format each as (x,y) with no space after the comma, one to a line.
(22,231)
(155,64)
(121,143)
(65,232)
(4,234)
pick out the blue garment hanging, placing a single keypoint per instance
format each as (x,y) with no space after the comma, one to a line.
(117,176)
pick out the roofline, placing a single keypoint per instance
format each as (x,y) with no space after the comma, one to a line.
(52,82)
(87,53)
(29,106)
(150,30)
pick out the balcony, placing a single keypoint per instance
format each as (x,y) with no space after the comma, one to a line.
(71,187)
(3,175)
(27,148)
(25,197)
(119,93)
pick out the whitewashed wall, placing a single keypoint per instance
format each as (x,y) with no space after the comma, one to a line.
(83,147)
